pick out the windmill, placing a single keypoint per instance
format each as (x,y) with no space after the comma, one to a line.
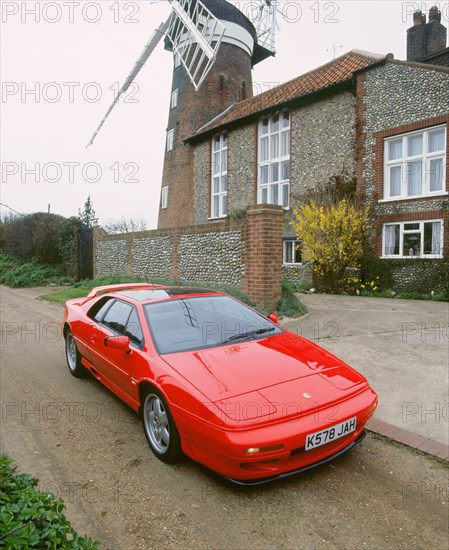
(214,46)
(195,35)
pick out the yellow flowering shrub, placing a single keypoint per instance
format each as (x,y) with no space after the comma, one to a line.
(332,237)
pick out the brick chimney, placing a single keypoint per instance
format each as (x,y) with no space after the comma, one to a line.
(424,39)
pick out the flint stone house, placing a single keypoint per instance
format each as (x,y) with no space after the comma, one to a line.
(231,181)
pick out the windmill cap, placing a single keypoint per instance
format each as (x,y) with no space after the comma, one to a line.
(225,11)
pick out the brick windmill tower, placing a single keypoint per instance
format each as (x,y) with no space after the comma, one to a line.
(214,47)
(228,81)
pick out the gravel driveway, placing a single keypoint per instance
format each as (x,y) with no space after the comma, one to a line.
(86,446)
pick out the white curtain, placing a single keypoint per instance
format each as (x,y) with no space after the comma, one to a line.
(390,239)
(436,236)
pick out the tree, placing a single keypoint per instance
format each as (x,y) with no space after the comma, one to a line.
(68,242)
(87,216)
(332,236)
(33,236)
(124,225)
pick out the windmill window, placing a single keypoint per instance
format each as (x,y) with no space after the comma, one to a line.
(164,197)
(174,99)
(170,139)
(274,159)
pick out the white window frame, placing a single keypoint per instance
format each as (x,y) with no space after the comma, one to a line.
(164,197)
(273,186)
(174,98)
(170,139)
(286,244)
(219,176)
(403,232)
(404,162)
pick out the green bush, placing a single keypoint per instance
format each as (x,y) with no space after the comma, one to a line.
(443,296)
(17,275)
(30,518)
(413,296)
(289,305)
(32,236)
(376,269)
(6,263)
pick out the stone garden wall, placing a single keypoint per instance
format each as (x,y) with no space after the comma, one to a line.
(245,254)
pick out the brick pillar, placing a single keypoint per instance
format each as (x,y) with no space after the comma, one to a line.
(263,269)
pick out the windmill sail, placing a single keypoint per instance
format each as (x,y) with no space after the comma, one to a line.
(195,35)
(152,43)
(265,22)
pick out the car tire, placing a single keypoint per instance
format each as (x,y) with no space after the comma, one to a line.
(160,428)
(73,356)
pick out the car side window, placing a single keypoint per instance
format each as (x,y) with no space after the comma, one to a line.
(134,328)
(98,310)
(117,317)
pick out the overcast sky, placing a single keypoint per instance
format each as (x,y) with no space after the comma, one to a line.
(62,61)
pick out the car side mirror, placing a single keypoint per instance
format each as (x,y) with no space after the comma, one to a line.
(274,317)
(118,342)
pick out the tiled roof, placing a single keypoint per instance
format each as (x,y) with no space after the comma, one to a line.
(331,73)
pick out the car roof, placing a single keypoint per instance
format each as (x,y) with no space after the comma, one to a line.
(158,293)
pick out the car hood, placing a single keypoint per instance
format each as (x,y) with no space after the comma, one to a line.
(272,370)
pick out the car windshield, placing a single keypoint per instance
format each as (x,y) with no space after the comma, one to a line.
(201,322)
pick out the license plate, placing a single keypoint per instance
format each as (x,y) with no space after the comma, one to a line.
(330,434)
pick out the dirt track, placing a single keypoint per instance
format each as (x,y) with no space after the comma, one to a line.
(86,446)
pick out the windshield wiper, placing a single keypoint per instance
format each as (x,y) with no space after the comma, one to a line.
(248,334)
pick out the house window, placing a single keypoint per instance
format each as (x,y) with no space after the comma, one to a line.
(414,164)
(177,59)
(274,159)
(170,139)
(164,197)
(418,239)
(291,251)
(174,99)
(219,176)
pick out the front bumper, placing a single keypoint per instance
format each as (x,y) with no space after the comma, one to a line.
(263,481)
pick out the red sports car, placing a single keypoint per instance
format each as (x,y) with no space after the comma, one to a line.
(217,380)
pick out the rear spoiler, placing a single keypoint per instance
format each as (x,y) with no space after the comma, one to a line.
(111,288)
